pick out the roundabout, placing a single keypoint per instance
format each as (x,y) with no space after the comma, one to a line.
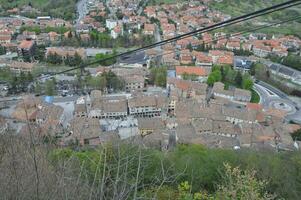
(283,105)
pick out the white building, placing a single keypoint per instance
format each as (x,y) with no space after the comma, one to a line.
(110,23)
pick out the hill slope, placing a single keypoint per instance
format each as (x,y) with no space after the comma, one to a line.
(240,7)
(57,8)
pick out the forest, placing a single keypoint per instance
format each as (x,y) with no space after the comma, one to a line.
(32,168)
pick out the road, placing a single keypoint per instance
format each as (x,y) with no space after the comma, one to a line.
(141,7)
(82,10)
(271,97)
(112,10)
(157,35)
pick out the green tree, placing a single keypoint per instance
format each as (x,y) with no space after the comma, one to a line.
(2,50)
(214,76)
(119,14)
(38,89)
(210,80)
(241,185)
(247,83)
(50,87)
(158,76)
(297,135)
(238,79)
(252,69)
(54,58)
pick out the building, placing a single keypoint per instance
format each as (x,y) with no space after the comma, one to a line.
(108,107)
(237,94)
(242,95)
(239,114)
(80,110)
(134,83)
(87,131)
(242,64)
(197,73)
(148,126)
(5,39)
(203,60)
(149,29)
(221,57)
(111,24)
(66,51)
(26,49)
(18,67)
(261,50)
(147,106)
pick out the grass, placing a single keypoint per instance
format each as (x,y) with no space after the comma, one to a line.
(255,98)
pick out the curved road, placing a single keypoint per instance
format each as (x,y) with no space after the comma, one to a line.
(271,97)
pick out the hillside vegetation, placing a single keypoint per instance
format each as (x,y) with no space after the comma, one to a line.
(30,169)
(56,8)
(240,7)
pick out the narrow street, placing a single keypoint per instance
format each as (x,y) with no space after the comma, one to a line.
(82,10)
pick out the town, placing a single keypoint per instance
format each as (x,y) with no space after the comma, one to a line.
(220,89)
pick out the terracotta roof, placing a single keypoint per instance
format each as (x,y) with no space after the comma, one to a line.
(201,57)
(191,70)
(4,38)
(225,60)
(254,106)
(149,27)
(220,53)
(52,34)
(26,44)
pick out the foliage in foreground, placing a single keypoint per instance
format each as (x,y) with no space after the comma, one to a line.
(124,171)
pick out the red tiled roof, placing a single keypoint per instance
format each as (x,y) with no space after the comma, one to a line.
(254,106)
(199,71)
(149,27)
(26,44)
(201,57)
(4,38)
(225,60)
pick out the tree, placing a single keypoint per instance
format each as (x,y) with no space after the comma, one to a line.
(2,50)
(158,76)
(238,79)
(50,87)
(252,69)
(54,58)
(109,61)
(210,80)
(22,81)
(247,83)
(38,89)
(160,79)
(241,185)
(292,61)
(77,59)
(214,76)
(119,14)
